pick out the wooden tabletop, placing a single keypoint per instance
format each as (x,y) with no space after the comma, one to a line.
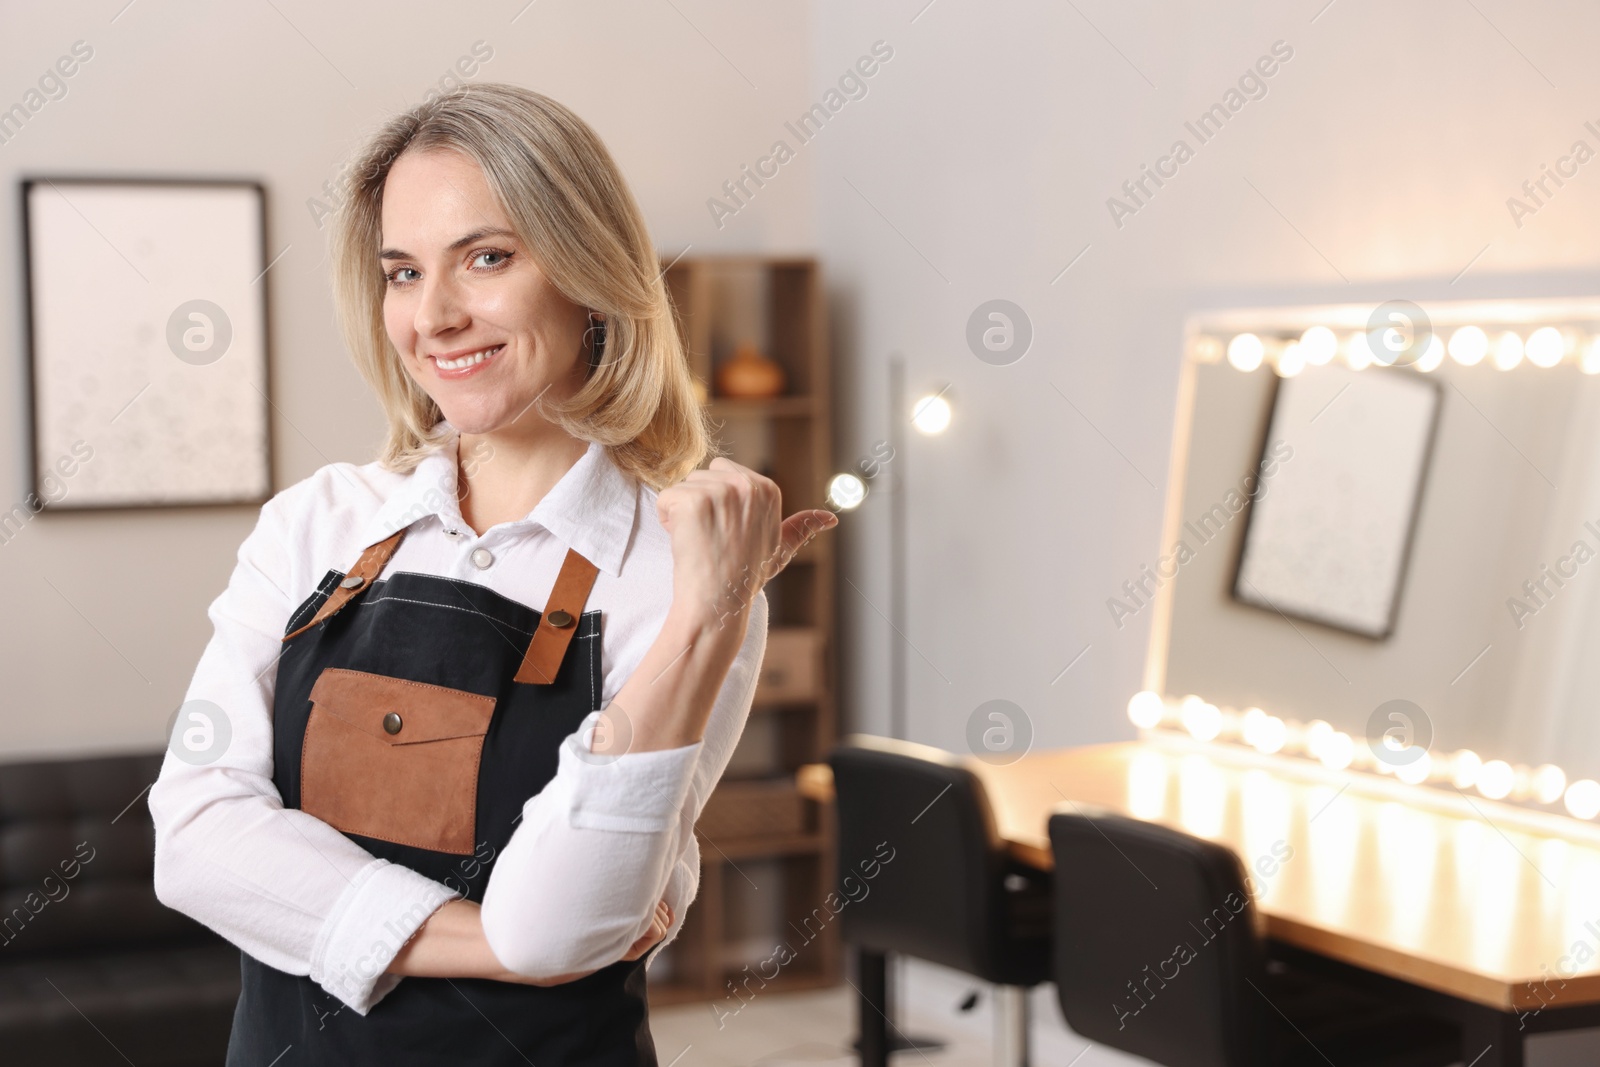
(1458,895)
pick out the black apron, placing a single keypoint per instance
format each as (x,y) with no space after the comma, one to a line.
(500,687)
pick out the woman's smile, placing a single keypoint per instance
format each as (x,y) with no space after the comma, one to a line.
(464,362)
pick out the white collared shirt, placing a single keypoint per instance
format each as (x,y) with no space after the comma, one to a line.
(594,851)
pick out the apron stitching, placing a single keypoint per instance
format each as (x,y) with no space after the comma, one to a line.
(325,587)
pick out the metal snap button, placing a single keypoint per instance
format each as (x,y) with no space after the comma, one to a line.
(355,581)
(559,619)
(481,558)
(392,723)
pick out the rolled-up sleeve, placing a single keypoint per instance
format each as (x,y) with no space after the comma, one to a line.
(607,838)
(283,886)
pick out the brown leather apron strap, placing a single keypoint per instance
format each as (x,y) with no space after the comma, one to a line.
(366,569)
(559,621)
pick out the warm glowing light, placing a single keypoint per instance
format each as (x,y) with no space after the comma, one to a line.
(1271,733)
(1548,783)
(1202,720)
(1245,351)
(1146,710)
(1291,361)
(1468,346)
(1546,346)
(1207,349)
(1583,798)
(1508,350)
(1467,764)
(1319,345)
(1357,352)
(1316,736)
(1432,355)
(1589,362)
(1338,749)
(931,414)
(846,491)
(1416,772)
(1495,779)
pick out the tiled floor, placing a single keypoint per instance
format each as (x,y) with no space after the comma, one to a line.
(815,1030)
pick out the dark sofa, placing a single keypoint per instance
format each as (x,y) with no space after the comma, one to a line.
(93,969)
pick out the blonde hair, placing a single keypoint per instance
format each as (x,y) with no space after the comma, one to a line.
(568,201)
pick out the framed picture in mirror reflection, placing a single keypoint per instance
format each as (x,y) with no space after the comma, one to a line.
(1327,538)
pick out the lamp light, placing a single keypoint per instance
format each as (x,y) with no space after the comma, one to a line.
(931,414)
(846,491)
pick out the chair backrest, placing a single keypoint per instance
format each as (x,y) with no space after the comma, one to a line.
(77,852)
(920,864)
(1157,943)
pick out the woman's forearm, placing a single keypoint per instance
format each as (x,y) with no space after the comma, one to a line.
(666,701)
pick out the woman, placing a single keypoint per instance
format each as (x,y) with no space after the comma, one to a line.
(466,702)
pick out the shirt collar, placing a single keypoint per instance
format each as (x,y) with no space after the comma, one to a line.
(591,509)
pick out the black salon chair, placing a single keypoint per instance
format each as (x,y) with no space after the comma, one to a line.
(1160,952)
(931,879)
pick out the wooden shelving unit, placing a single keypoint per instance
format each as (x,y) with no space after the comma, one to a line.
(761,922)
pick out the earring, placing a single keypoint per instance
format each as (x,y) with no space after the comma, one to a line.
(595,335)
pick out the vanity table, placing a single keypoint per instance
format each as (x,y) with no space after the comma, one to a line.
(1467,908)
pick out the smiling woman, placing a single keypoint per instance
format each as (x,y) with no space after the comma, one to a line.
(536,668)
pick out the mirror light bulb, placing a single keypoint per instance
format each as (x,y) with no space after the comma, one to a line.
(1495,779)
(1245,352)
(1549,782)
(1508,350)
(1202,720)
(1319,345)
(1589,362)
(846,491)
(1467,764)
(1545,347)
(1317,734)
(1338,750)
(1583,798)
(1357,352)
(931,414)
(1291,361)
(1416,772)
(1432,355)
(1146,710)
(1468,346)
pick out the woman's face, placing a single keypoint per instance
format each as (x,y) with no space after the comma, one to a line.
(477,324)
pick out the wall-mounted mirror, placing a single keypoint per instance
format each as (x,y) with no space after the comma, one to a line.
(1417,519)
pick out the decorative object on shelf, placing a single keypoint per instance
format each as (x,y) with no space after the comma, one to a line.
(749,375)
(147,342)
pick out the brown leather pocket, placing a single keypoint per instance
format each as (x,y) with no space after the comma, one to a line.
(394,760)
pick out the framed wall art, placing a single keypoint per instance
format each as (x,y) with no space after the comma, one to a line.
(147,342)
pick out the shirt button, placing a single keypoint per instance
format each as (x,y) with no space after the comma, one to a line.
(481,558)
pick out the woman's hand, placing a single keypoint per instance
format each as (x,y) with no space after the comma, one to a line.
(659,925)
(729,539)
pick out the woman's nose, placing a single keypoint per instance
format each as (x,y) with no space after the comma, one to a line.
(440,309)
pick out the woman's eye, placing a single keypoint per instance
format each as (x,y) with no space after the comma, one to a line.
(394,276)
(499,257)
